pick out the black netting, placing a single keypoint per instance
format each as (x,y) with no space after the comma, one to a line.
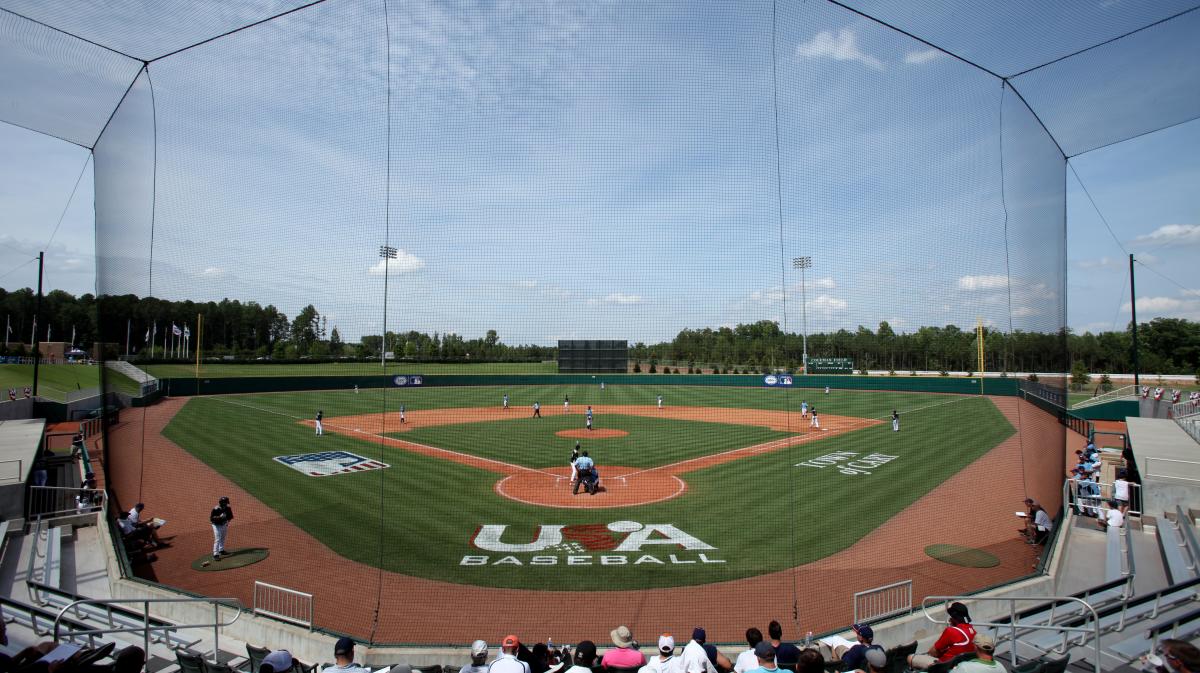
(56,84)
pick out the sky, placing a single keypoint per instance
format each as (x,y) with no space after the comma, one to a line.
(600,170)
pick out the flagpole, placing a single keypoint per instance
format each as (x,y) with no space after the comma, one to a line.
(128,332)
(199,327)
(7,328)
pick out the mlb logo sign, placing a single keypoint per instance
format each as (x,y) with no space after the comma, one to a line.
(326,463)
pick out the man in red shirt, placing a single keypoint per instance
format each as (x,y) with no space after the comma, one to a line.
(956,639)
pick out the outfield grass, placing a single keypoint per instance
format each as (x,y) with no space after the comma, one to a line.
(218,370)
(55,381)
(531,441)
(762,513)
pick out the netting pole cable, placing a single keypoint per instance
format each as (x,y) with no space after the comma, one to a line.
(150,262)
(70,199)
(1095,207)
(387,232)
(787,408)
(239,29)
(1004,86)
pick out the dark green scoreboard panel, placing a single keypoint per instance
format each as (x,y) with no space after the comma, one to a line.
(592,356)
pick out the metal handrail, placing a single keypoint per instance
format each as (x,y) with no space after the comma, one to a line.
(1187,537)
(34,553)
(1013,625)
(1130,570)
(147,629)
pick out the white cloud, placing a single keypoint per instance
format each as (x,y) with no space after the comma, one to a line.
(1155,304)
(1023,312)
(1175,234)
(972,283)
(767,296)
(620,298)
(404,263)
(213,272)
(921,57)
(828,303)
(840,47)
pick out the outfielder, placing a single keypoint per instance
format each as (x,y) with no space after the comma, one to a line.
(660,402)
(506,401)
(814,423)
(320,415)
(220,517)
(826,390)
(537,410)
(895,421)
(402,421)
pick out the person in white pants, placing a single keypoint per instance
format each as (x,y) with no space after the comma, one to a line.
(320,415)
(220,517)
(814,423)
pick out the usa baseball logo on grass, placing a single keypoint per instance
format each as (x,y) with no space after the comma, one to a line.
(327,463)
(618,543)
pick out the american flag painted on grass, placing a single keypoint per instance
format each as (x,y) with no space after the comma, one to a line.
(328,463)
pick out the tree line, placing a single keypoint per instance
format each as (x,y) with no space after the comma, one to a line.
(249,330)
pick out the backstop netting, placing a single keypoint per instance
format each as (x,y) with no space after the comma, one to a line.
(388,214)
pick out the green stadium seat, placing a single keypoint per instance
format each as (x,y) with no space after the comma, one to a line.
(255,655)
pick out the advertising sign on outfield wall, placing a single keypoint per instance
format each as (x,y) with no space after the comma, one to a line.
(777,380)
(408,380)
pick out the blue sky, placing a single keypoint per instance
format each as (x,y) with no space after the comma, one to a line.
(604,171)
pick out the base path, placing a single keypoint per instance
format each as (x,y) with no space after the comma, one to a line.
(551,487)
(602,433)
(143,465)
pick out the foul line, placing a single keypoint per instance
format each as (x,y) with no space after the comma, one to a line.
(398,443)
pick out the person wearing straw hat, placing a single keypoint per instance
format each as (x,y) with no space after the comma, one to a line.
(985,658)
(626,654)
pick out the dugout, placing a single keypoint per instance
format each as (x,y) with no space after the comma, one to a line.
(591,356)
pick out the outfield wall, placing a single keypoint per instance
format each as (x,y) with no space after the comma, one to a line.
(186,387)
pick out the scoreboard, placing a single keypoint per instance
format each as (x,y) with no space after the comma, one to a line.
(590,356)
(830,366)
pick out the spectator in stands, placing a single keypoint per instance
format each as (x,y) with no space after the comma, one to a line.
(479,653)
(765,653)
(1121,491)
(1112,517)
(626,654)
(747,660)
(664,662)
(875,661)
(957,638)
(787,655)
(278,661)
(1180,655)
(539,658)
(507,662)
(854,657)
(694,658)
(1037,523)
(984,661)
(343,657)
(811,661)
(585,656)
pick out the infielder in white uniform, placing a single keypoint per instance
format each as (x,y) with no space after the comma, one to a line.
(506,401)
(814,423)
(895,421)
(320,415)
(660,402)
(566,404)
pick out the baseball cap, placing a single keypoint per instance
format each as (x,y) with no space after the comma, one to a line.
(864,630)
(984,642)
(510,641)
(344,646)
(479,648)
(279,660)
(224,500)
(698,634)
(666,643)
(958,610)
(876,657)
(764,650)
(585,650)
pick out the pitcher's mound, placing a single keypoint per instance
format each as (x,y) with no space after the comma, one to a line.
(599,433)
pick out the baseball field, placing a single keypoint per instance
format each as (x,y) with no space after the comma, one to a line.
(475,494)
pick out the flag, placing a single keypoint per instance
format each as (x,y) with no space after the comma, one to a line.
(175,331)
(147,337)
(187,332)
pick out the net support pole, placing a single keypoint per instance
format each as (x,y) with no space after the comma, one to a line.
(979,342)
(1133,321)
(37,311)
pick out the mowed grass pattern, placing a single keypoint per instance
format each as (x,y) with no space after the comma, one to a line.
(429,508)
(531,442)
(55,381)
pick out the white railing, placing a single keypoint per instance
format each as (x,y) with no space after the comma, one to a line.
(1089,502)
(1091,627)
(1120,393)
(55,502)
(289,605)
(885,601)
(1170,468)
(12,471)
(1185,409)
(146,628)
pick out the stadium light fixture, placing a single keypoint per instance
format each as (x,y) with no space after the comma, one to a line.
(388,253)
(803,263)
